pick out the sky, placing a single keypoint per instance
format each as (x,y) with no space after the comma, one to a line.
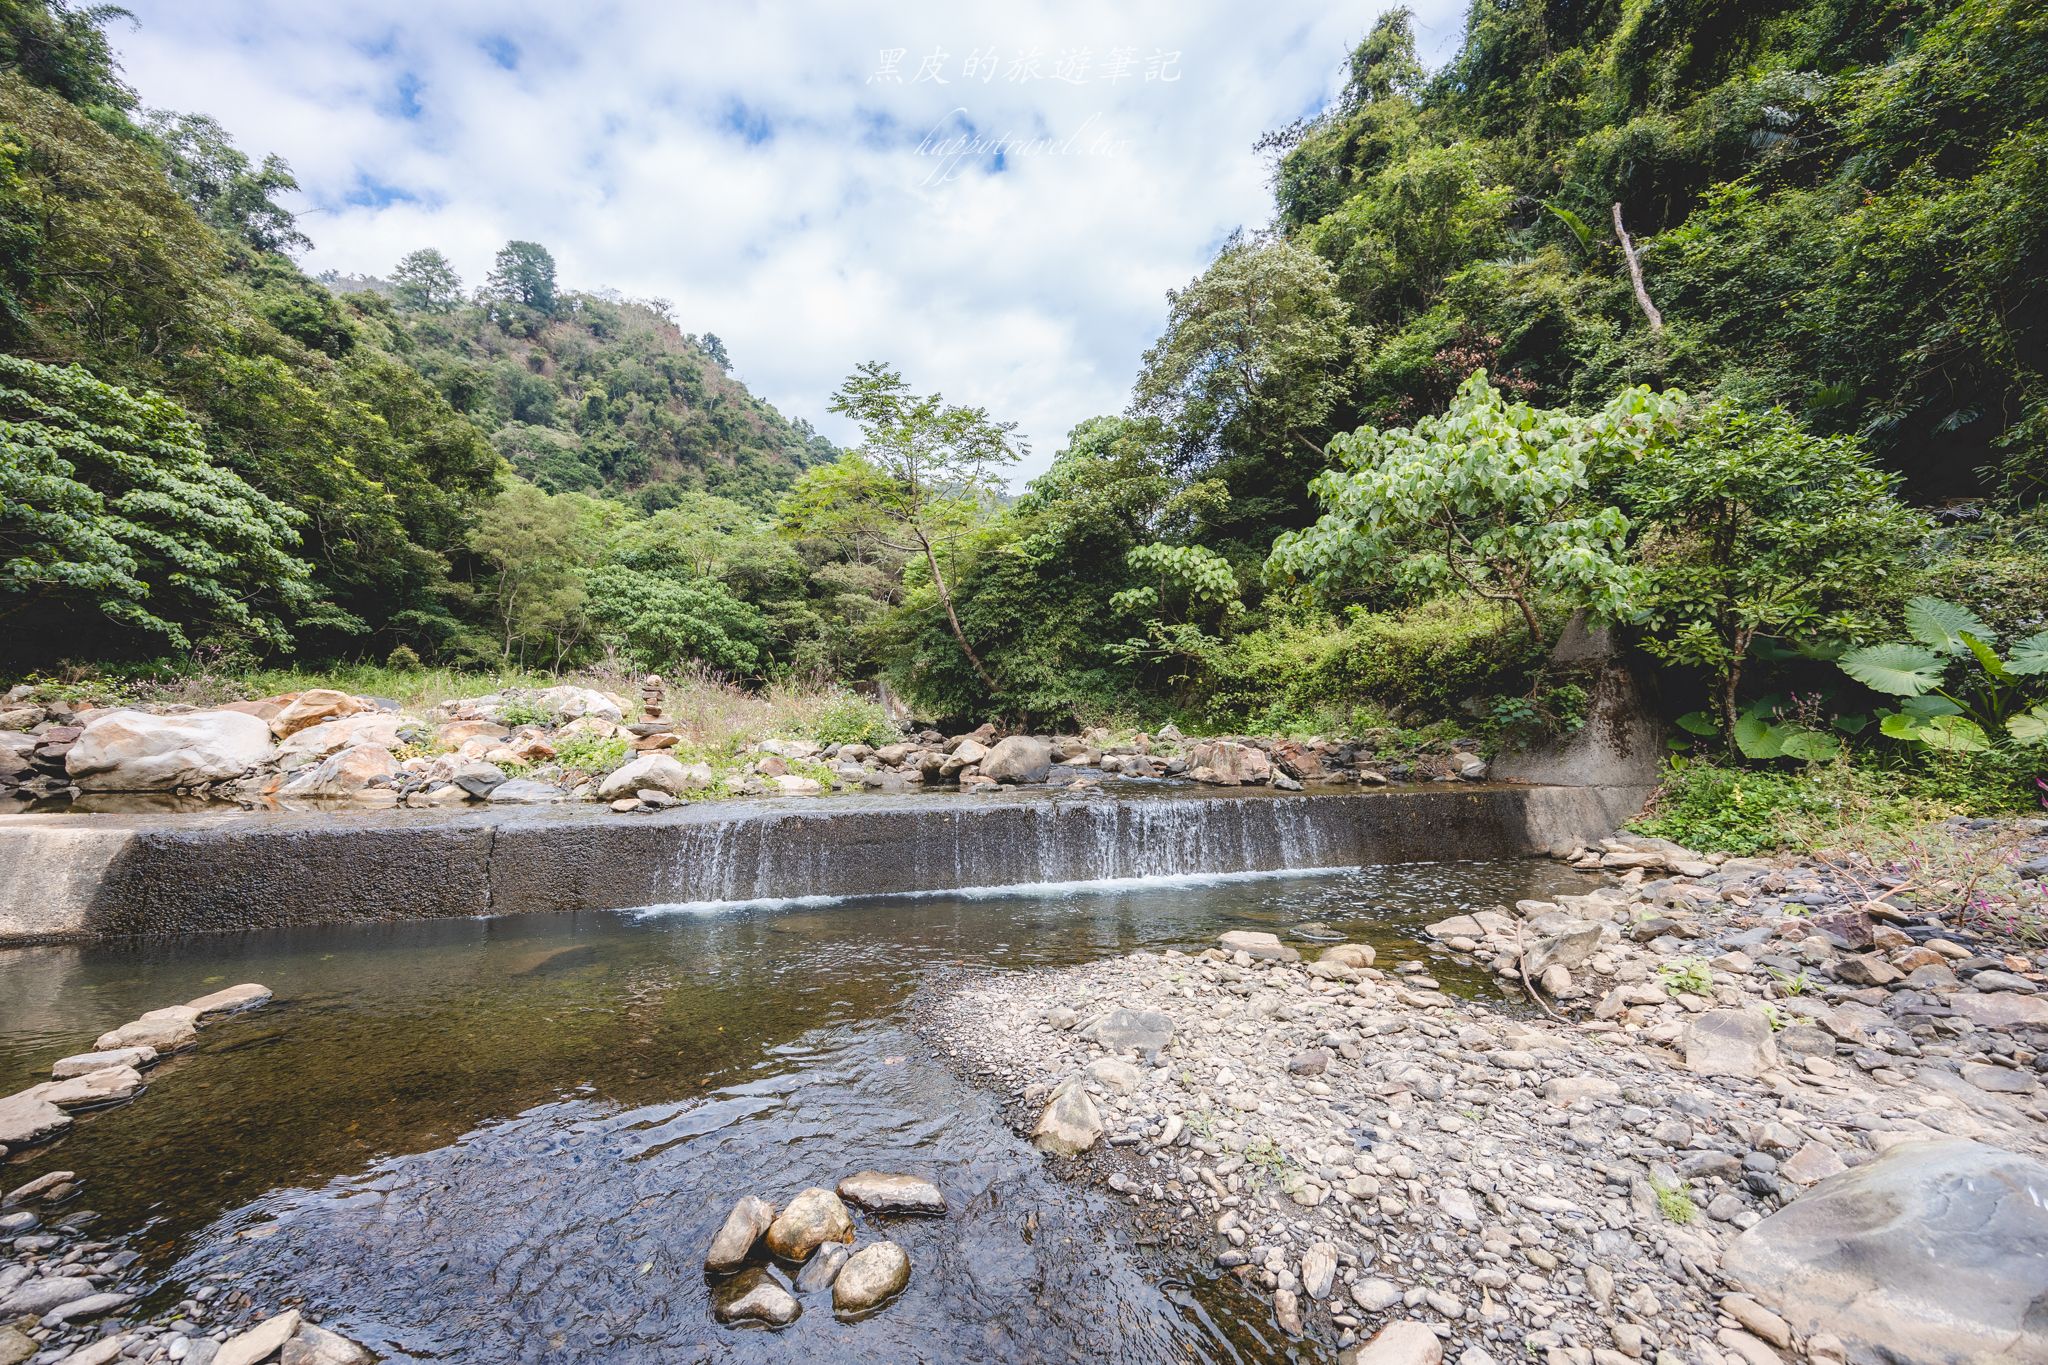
(995,199)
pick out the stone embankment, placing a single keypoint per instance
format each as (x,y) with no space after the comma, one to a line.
(540,746)
(1765,1113)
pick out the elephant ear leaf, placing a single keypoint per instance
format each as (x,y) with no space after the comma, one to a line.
(1956,734)
(2029,656)
(1994,667)
(1697,723)
(1811,746)
(1942,625)
(2030,727)
(1897,669)
(1758,738)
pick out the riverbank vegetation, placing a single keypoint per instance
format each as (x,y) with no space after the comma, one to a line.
(1721,327)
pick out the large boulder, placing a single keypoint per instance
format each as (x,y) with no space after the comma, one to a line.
(343,774)
(312,707)
(653,772)
(1226,763)
(1020,758)
(380,729)
(1935,1252)
(134,751)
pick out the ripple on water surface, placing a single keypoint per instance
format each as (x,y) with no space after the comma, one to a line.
(511,1140)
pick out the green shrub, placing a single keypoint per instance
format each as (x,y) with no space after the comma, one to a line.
(591,754)
(854,720)
(1329,675)
(403,659)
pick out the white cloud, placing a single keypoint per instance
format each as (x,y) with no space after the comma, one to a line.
(741,162)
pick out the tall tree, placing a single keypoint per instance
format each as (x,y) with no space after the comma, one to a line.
(924,474)
(216,178)
(523,274)
(425,282)
(1254,359)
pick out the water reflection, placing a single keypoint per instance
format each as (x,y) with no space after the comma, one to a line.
(508,1139)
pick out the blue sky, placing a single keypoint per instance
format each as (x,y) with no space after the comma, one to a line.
(996,202)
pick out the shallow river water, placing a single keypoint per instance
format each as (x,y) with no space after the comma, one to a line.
(512,1139)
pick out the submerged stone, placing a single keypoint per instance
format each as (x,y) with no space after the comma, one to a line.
(883,1192)
(754,1296)
(812,1219)
(823,1268)
(870,1276)
(743,1227)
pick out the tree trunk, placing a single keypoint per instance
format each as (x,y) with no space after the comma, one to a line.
(952,618)
(1635,273)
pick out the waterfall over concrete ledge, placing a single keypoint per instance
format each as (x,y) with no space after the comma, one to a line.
(74,877)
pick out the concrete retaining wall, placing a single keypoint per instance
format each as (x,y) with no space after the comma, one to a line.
(79,877)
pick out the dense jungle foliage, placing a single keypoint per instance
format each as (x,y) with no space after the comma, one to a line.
(1723,323)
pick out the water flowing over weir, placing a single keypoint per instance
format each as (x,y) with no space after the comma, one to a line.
(84,876)
(1068,841)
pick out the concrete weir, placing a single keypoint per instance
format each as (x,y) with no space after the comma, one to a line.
(72,877)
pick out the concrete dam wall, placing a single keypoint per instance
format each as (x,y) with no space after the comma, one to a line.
(71,877)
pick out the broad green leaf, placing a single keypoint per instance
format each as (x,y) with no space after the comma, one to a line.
(1758,738)
(2030,727)
(1987,656)
(1942,625)
(1900,726)
(2029,656)
(1697,723)
(1851,725)
(1811,746)
(1900,670)
(1955,734)
(1929,706)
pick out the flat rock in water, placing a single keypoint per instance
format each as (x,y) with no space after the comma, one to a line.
(27,1118)
(870,1276)
(743,1227)
(823,1268)
(318,1346)
(1351,955)
(233,999)
(81,1063)
(260,1341)
(1070,1125)
(812,1219)
(38,1297)
(754,1296)
(162,1034)
(883,1192)
(105,1086)
(1935,1251)
(1266,947)
(91,1306)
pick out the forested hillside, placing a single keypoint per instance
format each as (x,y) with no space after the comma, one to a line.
(1721,323)
(372,428)
(590,391)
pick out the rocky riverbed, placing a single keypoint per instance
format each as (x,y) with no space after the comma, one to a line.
(1757,1112)
(326,749)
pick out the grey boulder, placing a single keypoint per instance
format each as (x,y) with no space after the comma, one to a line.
(1935,1252)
